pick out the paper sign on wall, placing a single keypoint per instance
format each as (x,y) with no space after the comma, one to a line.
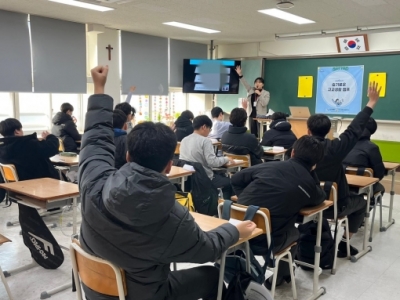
(380,79)
(305,87)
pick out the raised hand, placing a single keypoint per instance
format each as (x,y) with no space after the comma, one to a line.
(245,103)
(132,88)
(239,70)
(373,94)
(99,75)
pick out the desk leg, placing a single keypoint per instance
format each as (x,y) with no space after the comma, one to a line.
(183,184)
(390,220)
(317,291)
(365,248)
(261,130)
(74,211)
(221,276)
(248,263)
(20,269)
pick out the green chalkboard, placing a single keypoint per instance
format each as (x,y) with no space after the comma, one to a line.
(251,70)
(281,80)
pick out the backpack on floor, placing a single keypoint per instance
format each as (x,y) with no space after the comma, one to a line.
(306,245)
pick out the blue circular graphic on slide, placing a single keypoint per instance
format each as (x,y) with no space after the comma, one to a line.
(339,89)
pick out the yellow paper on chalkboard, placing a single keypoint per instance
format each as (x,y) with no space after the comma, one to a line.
(379,78)
(305,87)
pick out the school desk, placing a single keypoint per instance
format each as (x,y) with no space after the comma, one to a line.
(180,175)
(263,122)
(391,170)
(275,154)
(66,161)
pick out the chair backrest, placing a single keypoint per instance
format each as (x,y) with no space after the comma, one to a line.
(9,173)
(367,172)
(245,158)
(177,149)
(61,145)
(332,193)
(262,218)
(98,274)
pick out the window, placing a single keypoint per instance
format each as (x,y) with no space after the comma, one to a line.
(74,99)
(35,114)
(7,107)
(141,104)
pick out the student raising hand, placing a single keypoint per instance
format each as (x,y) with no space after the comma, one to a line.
(99,75)
(245,228)
(373,94)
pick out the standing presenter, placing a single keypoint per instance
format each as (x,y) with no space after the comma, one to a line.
(257,100)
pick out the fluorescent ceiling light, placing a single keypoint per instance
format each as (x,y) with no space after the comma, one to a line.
(83,5)
(191,27)
(273,12)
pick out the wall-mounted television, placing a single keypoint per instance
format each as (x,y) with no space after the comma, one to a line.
(208,76)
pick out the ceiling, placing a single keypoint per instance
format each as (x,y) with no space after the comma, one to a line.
(238,20)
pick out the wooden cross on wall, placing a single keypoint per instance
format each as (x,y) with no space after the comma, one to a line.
(109,48)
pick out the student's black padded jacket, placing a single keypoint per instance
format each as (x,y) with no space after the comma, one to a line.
(238,141)
(284,187)
(279,134)
(331,168)
(183,128)
(65,128)
(366,154)
(30,156)
(130,216)
(120,147)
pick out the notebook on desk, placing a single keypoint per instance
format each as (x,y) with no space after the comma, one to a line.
(299,112)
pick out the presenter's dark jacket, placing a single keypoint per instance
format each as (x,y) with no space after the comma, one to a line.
(280,134)
(238,141)
(130,216)
(30,156)
(284,187)
(331,168)
(366,154)
(183,128)
(65,128)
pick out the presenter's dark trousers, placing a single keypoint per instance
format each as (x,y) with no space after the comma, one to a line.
(254,126)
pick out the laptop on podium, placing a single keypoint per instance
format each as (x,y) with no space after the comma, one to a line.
(299,112)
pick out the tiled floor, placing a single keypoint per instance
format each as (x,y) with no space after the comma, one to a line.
(375,276)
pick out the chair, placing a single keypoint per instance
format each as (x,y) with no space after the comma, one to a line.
(3,240)
(263,221)
(331,189)
(177,148)
(245,158)
(61,145)
(368,172)
(97,274)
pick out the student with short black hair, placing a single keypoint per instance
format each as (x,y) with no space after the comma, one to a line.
(129,111)
(197,147)
(64,127)
(238,141)
(219,126)
(279,133)
(284,187)
(30,156)
(130,216)
(331,168)
(119,124)
(366,154)
(183,125)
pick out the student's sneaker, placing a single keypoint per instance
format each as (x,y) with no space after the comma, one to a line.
(342,250)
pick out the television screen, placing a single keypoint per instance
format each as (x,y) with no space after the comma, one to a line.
(207,76)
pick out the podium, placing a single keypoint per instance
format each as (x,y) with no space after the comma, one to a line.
(299,127)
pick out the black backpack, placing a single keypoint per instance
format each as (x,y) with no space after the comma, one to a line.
(306,245)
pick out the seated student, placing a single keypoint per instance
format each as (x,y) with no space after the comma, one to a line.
(119,124)
(64,127)
(284,187)
(331,168)
(183,125)
(366,154)
(197,147)
(237,141)
(218,126)
(129,112)
(29,155)
(130,216)
(279,133)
